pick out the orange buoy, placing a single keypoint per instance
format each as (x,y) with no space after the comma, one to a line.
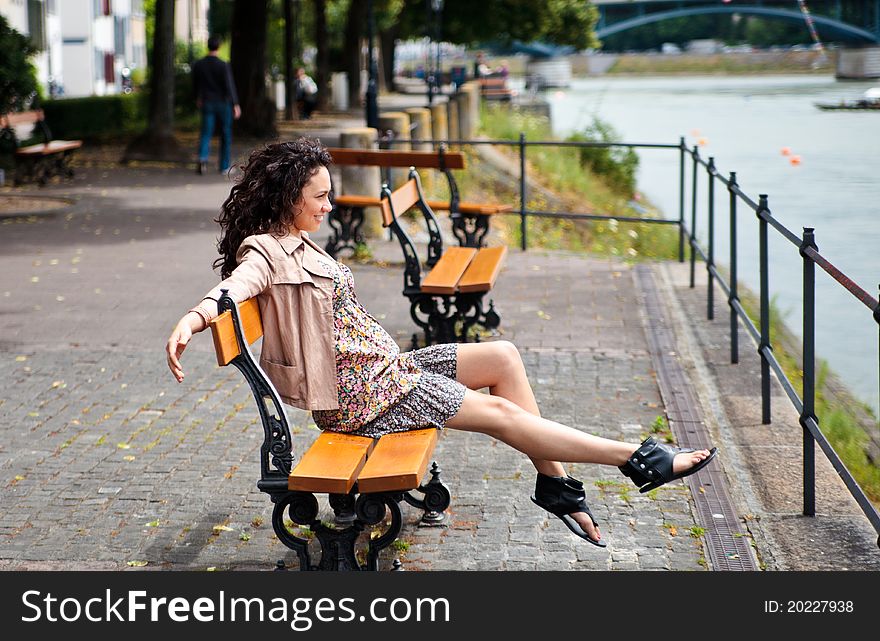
(786,151)
(702,142)
(795,160)
(695,133)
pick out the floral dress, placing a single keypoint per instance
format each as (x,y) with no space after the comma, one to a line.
(381,389)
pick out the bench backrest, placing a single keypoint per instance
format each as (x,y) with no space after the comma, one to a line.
(398,202)
(223,331)
(234,330)
(389,158)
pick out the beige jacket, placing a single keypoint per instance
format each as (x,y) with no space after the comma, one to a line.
(295,294)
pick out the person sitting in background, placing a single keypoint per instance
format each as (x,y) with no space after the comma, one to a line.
(306,94)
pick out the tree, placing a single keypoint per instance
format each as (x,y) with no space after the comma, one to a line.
(248,60)
(322,57)
(18,80)
(158,141)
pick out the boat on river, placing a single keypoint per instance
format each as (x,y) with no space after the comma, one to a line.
(870,101)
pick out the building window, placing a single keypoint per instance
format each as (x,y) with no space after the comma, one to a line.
(109,70)
(37,24)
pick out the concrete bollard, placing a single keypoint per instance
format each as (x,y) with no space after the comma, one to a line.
(472,89)
(439,129)
(398,123)
(465,127)
(452,119)
(363,181)
(420,127)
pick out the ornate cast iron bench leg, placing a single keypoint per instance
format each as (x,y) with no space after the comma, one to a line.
(470,230)
(437,498)
(346,225)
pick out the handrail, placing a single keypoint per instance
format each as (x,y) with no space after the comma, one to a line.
(761,335)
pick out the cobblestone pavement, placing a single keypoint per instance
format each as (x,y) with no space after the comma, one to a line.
(106,462)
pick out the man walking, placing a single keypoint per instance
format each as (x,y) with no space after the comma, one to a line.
(217,99)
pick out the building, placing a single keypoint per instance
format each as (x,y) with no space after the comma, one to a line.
(86,47)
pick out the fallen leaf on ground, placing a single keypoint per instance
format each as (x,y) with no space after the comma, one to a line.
(136,564)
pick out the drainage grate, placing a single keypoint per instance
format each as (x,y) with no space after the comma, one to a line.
(728,549)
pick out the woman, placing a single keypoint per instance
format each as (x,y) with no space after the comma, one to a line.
(325,353)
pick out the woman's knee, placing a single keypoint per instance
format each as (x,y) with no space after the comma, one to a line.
(508,355)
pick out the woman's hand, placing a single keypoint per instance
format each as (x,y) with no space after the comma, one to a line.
(178,341)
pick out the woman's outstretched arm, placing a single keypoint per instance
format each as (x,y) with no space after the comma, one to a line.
(251,277)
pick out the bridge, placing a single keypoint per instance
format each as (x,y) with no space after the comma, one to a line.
(845,20)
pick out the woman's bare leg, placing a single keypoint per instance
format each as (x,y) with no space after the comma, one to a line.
(499,367)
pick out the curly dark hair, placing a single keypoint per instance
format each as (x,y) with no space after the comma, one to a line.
(263,198)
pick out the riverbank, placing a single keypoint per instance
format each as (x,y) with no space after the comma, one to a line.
(740,63)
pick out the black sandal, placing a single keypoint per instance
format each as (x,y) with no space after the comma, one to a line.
(650,466)
(562,496)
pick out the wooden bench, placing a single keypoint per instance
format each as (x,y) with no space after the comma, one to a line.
(470,220)
(457,279)
(364,478)
(43,160)
(495,88)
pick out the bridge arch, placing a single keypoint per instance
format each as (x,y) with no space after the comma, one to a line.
(829,25)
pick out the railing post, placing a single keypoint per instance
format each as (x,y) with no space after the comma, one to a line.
(764,347)
(681,151)
(710,301)
(809,365)
(693,234)
(734,294)
(523,226)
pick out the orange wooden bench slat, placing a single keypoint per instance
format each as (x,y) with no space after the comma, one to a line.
(331,464)
(355,200)
(223,331)
(483,270)
(445,275)
(391,158)
(398,462)
(53,147)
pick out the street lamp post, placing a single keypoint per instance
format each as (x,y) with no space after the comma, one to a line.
(372,104)
(434,78)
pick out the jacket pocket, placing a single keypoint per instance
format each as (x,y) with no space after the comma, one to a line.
(287,379)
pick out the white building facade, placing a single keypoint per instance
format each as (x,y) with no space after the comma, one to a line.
(86,47)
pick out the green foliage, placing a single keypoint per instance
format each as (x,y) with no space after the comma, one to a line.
(579,188)
(18,79)
(616,165)
(96,116)
(563,22)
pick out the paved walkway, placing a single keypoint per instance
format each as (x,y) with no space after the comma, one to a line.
(106,462)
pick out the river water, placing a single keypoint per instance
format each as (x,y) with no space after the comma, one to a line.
(745,123)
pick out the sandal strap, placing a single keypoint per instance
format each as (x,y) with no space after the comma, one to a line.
(652,462)
(561,495)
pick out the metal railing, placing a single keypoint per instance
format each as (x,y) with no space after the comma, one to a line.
(807,248)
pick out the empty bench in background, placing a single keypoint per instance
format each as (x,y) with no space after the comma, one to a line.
(364,478)
(470,220)
(42,161)
(452,290)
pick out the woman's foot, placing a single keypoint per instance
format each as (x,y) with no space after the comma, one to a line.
(686,460)
(653,464)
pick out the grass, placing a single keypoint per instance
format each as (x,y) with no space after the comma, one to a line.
(559,182)
(784,62)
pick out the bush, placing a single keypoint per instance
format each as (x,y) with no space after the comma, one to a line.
(616,165)
(96,116)
(18,79)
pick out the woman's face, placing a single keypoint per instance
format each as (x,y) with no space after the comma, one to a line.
(313,204)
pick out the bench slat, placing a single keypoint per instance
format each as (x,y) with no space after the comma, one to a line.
(398,462)
(52,147)
(356,200)
(483,270)
(331,464)
(223,331)
(391,158)
(444,277)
